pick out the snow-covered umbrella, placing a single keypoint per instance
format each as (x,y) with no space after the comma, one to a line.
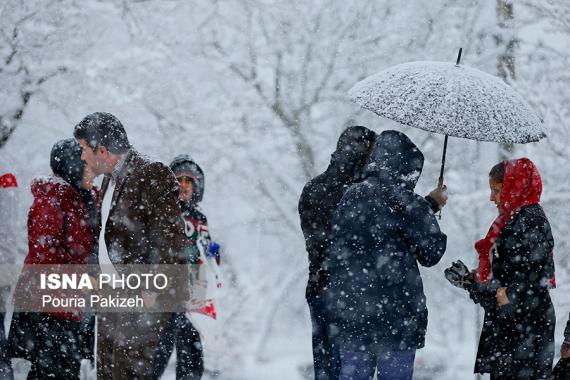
(450,99)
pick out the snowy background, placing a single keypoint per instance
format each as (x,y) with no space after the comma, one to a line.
(255,91)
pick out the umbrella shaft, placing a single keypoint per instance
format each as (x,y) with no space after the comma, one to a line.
(443,161)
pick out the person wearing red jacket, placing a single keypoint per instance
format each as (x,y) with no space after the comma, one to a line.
(61,230)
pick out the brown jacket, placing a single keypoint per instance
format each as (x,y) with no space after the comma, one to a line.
(144,224)
(143,227)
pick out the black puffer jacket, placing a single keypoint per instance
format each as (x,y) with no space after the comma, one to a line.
(518,339)
(382,230)
(320,198)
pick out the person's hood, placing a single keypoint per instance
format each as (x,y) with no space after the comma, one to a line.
(395,160)
(185,164)
(522,185)
(352,150)
(49,187)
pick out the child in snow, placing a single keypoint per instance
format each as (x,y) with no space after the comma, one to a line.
(179,330)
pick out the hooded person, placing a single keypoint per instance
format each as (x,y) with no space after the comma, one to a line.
(61,230)
(179,332)
(317,203)
(382,230)
(513,277)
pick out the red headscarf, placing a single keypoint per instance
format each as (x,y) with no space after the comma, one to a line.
(522,186)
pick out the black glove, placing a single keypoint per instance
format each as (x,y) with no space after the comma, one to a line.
(458,274)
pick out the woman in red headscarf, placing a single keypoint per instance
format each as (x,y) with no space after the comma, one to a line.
(513,278)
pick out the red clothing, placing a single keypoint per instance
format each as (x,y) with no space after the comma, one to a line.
(522,186)
(59,231)
(8,180)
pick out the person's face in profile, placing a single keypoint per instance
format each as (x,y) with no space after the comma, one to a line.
(96,159)
(496,188)
(186,187)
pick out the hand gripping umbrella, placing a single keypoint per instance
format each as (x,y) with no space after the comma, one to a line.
(450,99)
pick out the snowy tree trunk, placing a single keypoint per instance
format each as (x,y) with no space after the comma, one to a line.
(506,40)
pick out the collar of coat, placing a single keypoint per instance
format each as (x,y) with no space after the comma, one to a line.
(119,171)
(118,176)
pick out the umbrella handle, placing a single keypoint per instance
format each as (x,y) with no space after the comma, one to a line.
(440,181)
(459,57)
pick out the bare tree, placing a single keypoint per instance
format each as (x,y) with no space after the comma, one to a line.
(19,77)
(507,43)
(294,58)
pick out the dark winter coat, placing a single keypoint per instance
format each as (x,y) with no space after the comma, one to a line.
(382,230)
(55,346)
(518,338)
(321,196)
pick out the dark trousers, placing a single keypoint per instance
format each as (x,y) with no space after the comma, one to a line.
(53,345)
(179,332)
(326,358)
(391,365)
(561,370)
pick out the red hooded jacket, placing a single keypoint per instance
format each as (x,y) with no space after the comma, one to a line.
(59,229)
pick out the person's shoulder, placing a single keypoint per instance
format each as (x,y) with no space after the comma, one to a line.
(198,214)
(316,185)
(144,161)
(51,186)
(361,197)
(314,191)
(361,190)
(533,211)
(407,202)
(149,168)
(530,215)
(160,169)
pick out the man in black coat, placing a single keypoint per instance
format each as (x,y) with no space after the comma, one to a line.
(317,204)
(375,297)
